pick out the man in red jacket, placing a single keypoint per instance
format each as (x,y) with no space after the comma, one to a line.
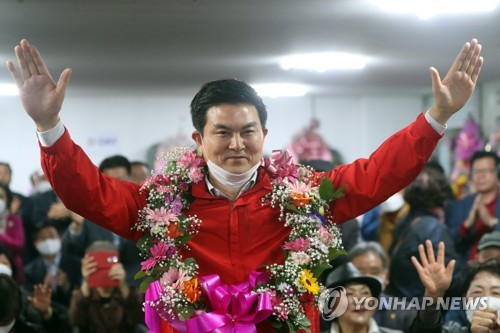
(236,236)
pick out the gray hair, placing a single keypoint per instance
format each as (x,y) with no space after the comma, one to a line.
(366,247)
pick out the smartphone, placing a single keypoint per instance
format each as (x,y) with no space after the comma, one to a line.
(104,260)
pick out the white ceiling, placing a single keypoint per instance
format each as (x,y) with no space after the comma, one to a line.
(176,45)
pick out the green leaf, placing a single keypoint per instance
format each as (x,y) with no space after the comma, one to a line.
(317,270)
(185,313)
(334,253)
(171,166)
(294,209)
(328,193)
(326,189)
(144,243)
(145,283)
(183,239)
(291,326)
(139,275)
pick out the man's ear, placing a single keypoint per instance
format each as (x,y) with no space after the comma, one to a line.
(196,136)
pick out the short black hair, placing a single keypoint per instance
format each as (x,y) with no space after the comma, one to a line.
(484,154)
(144,164)
(10,299)
(429,190)
(42,225)
(225,91)
(116,161)
(491,266)
(433,164)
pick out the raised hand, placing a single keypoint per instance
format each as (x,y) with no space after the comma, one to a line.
(42,98)
(435,277)
(454,90)
(42,296)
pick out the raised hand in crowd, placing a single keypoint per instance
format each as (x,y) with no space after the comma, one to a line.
(41,299)
(435,276)
(58,211)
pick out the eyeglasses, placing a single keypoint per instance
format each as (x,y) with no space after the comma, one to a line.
(482,171)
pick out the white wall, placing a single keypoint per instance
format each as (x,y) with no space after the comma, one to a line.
(129,124)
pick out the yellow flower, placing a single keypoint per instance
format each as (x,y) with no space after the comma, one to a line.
(309,282)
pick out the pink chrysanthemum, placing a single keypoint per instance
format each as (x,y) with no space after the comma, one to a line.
(195,175)
(161,216)
(300,188)
(300,244)
(190,160)
(147,264)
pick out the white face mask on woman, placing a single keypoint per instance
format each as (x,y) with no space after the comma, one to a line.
(4,269)
(487,301)
(49,247)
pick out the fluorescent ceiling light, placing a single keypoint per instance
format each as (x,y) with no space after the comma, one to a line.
(322,62)
(8,90)
(274,90)
(425,9)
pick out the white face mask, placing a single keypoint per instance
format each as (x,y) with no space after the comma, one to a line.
(4,269)
(49,247)
(229,179)
(43,186)
(485,302)
(6,329)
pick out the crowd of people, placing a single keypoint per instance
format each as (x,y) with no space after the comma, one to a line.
(82,218)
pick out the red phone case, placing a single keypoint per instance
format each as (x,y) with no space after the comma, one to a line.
(100,278)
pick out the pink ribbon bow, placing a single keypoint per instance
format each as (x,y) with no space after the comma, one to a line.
(281,167)
(236,308)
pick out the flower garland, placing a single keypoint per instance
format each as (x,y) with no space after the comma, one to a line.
(173,286)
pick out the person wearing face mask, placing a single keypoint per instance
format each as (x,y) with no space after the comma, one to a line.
(481,282)
(11,230)
(370,259)
(37,309)
(427,196)
(238,234)
(56,270)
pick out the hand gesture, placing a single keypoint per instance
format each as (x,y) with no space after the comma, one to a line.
(89,266)
(454,90)
(483,212)
(435,277)
(62,280)
(117,273)
(42,98)
(40,300)
(485,321)
(58,211)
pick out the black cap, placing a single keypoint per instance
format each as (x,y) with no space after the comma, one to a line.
(347,273)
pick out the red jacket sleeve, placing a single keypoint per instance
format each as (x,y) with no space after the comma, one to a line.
(394,165)
(111,203)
